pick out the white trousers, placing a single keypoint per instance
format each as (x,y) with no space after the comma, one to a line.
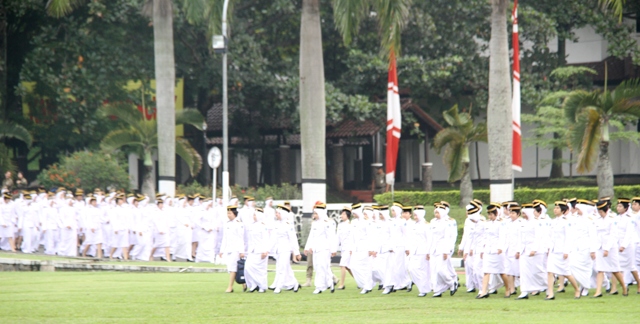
(396,274)
(420,272)
(443,276)
(255,271)
(361,269)
(322,268)
(68,244)
(379,263)
(284,278)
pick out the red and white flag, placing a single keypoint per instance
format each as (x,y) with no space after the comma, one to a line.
(516,163)
(394,121)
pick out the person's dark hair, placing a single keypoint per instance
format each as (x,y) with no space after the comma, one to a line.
(493,212)
(538,209)
(234,211)
(563,208)
(624,204)
(348,212)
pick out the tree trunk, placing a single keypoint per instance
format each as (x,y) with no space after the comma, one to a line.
(466,187)
(165,88)
(556,153)
(148,187)
(605,172)
(499,106)
(312,107)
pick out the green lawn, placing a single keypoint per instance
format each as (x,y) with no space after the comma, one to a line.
(37,297)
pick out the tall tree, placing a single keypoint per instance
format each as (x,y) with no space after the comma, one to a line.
(312,106)
(165,94)
(161,12)
(456,138)
(590,115)
(499,106)
(141,135)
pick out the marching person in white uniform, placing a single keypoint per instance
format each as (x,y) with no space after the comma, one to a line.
(626,243)
(443,232)
(361,249)
(417,248)
(607,259)
(285,244)
(561,247)
(584,253)
(232,247)
(323,244)
(396,276)
(7,227)
(344,229)
(492,251)
(259,245)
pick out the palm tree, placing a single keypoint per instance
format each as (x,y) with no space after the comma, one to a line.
(142,136)
(161,12)
(392,17)
(312,106)
(11,130)
(616,5)
(590,113)
(456,138)
(499,106)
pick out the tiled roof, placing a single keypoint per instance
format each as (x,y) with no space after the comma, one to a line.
(353,128)
(617,69)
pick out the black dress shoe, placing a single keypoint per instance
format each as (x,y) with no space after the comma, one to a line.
(341,288)
(550,298)
(523,297)
(482,296)
(296,288)
(508,296)
(410,287)
(613,293)
(596,296)
(272,288)
(436,296)
(495,292)
(471,291)
(576,297)
(535,294)
(560,291)
(333,288)
(228,292)
(455,288)
(625,295)
(380,287)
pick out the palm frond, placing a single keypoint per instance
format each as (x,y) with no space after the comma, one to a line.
(453,160)
(447,136)
(195,10)
(60,8)
(121,137)
(189,155)
(554,98)
(12,130)
(392,17)
(124,112)
(348,14)
(479,133)
(616,5)
(579,100)
(626,98)
(586,136)
(190,116)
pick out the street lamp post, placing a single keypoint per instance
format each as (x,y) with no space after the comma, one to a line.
(220,46)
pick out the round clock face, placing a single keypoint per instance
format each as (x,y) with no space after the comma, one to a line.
(214,157)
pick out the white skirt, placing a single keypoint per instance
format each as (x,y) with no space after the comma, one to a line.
(533,273)
(611,263)
(232,261)
(512,266)
(493,263)
(6,231)
(345,258)
(628,258)
(92,238)
(120,240)
(581,267)
(558,264)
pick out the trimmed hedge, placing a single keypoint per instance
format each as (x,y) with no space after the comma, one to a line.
(522,195)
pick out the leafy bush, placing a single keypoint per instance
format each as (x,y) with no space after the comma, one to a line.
(6,163)
(86,170)
(521,195)
(286,191)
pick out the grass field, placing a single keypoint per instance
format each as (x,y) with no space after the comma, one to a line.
(92,297)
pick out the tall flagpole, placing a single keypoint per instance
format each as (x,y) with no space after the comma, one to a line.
(515,102)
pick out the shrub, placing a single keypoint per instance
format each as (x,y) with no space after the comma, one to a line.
(285,191)
(87,170)
(521,195)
